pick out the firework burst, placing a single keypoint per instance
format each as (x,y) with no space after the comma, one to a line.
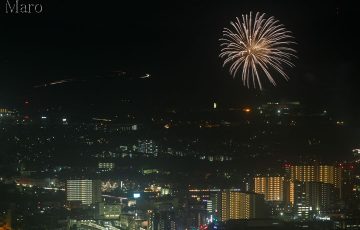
(257,46)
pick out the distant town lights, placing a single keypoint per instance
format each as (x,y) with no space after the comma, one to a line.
(247,110)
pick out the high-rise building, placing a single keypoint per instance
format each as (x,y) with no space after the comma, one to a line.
(289,195)
(317,173)
(225,205)
(215,198)
(195,215)
(270,186)
(241,205)
(348,181)
(83,191)
(162,220)
(148,147)
(303,173)
(316,197)
(213,205)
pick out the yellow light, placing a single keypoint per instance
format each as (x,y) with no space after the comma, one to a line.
(247,110)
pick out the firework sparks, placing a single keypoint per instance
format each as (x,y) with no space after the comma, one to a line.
(257,46)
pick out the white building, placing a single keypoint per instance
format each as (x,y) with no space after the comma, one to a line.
(84,191)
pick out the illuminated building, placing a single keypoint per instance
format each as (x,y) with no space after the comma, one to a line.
(83,191)
(348,181)
(214,204)
(240,205)
(2,110)
(280,108)
(270,186)
(108,211)
(42,183)
(131,221)
(126,127)
(225,206)
(289,194)
(6,113)
(165,191)
(147,147)
(209,206)
(313,197)
(330,174)
(317,173)
(194,217)
(202,194)
(106,166)
(150,171)
(163,220)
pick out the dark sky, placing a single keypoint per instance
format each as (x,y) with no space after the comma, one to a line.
(176,42)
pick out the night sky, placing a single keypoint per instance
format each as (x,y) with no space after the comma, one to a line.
(178,44)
